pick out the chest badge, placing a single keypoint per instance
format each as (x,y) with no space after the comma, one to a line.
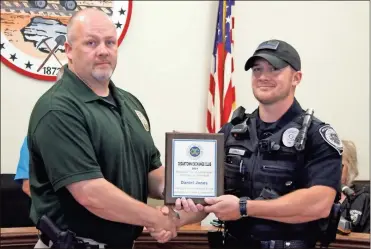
(288,137)
(143,120)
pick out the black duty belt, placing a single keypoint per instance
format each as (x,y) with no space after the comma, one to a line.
(281,244)
(81,245)
(270,244)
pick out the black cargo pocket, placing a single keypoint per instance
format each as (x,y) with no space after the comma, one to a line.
(278,169)
(279,177)
(232,179)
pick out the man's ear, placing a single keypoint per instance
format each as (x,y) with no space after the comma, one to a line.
(297,78)
(68,50)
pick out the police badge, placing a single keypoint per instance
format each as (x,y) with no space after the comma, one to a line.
(143,120)
(289,136)
(331,137)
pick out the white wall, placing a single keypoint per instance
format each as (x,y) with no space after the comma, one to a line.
(165,59)
(332,39)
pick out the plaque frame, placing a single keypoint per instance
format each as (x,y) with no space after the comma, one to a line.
(169,137)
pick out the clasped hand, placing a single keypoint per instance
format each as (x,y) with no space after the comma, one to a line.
(225,207)
(166,229)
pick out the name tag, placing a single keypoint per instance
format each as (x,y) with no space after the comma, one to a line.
(237,151)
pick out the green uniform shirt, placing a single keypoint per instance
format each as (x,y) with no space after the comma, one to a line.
(75,135)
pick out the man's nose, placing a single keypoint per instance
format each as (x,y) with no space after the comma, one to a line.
(102,50)
(264,75)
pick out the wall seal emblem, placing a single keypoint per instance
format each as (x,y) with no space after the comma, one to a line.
(33,32)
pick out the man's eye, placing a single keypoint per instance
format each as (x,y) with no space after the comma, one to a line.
(256,69)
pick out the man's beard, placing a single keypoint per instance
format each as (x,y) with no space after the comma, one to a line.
(102,75)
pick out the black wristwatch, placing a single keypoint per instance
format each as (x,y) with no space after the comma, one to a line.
(243,206)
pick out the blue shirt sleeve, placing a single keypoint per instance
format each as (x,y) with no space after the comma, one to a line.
(23,164)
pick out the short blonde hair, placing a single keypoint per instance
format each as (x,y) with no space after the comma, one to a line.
(350,158)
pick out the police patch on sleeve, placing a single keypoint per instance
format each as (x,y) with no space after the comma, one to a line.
(143,120)
(331,137)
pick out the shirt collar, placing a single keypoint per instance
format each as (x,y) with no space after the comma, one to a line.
(294,110)
(78,86)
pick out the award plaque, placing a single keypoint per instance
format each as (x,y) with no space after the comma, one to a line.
(194,166)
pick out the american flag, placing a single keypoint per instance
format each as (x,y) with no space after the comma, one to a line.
(221,96)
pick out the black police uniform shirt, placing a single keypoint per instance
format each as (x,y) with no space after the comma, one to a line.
(359,210)
(266,158)
(75,135)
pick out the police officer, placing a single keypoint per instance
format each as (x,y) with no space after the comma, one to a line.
(282,165)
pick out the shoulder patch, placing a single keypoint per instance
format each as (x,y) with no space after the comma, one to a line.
(331,137)
(143,120)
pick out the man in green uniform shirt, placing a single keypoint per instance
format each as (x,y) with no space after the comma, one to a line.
(93,160)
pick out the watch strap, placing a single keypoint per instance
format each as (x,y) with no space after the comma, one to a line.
(243,206)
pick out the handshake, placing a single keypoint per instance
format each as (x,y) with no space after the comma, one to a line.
(166,227)
(225,207)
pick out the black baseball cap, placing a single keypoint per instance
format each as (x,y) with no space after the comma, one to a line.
(278,53)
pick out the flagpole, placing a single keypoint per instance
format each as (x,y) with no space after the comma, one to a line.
(221,82)
(221,94)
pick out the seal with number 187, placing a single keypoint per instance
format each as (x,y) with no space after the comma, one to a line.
(33,32)
(289,136)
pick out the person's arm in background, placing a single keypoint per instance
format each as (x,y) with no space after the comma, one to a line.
(22,174)
(26,187)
